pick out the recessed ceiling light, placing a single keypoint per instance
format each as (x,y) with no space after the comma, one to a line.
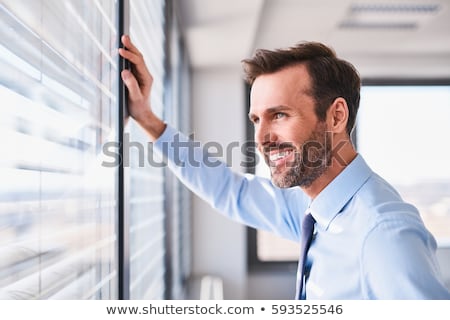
(404,16)
(395,8)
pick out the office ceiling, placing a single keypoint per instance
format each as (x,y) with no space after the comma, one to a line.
(383,38)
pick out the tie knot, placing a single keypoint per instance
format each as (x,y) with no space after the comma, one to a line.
(308,224)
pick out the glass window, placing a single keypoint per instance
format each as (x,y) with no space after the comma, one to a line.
(403,134)
(58,203)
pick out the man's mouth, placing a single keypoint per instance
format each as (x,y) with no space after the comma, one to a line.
(279,157)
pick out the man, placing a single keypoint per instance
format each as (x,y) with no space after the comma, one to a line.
(368,243)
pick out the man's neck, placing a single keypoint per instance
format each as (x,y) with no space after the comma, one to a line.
(338,163)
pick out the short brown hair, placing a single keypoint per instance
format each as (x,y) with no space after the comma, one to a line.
(331,77)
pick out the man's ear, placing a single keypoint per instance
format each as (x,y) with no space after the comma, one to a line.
(337,115)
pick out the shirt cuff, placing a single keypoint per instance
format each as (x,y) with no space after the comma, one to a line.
(166,137)
(172,145)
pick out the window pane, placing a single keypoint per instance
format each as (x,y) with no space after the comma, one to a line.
(403,134)
(58,205)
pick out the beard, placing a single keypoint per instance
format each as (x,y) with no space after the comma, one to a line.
(310,162)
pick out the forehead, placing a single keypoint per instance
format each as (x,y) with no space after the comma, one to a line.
(286,87)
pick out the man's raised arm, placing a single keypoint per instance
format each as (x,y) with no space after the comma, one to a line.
(251,200)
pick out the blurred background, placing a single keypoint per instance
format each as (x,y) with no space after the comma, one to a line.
(83,218)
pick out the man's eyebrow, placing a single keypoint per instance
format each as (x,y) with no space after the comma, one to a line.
(270,110)
(276,109)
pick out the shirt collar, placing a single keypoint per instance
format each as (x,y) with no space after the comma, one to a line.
(330,201)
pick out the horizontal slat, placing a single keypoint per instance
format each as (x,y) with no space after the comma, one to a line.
(152,270)
(147,199)
(54,189)
(147,176)
(156,242)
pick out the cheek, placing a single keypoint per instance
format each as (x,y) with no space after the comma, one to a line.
(292,134)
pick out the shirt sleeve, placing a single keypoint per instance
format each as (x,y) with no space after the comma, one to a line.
(245,198)
(398,261)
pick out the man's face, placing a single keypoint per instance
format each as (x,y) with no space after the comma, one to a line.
(289,136)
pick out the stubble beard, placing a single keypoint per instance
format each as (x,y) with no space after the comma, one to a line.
(309,163)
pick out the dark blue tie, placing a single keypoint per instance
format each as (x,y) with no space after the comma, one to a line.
(307,232)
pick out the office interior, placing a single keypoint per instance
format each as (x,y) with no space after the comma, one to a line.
(86,209)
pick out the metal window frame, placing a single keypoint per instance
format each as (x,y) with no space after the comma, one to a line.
(123,173)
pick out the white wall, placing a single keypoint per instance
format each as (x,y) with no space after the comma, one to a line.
(219,245)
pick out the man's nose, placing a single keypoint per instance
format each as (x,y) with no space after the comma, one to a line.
(264,135)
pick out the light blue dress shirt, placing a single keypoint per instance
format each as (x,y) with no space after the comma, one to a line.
(368,243)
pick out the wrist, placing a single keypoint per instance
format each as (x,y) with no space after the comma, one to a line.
(152,125)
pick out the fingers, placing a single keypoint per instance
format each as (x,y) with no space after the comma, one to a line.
(126,41)
(132,84)
(138,80)
(130,52)
(131,56)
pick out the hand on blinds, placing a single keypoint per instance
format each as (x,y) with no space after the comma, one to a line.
(139,82)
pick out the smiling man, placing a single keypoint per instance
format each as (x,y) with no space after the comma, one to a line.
(368,243)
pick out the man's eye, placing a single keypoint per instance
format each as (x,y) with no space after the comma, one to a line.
(279,115)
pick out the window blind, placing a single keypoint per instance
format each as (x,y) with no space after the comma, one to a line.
(58,204)
(146,192)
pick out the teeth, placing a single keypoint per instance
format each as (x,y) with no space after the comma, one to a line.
(277,156)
